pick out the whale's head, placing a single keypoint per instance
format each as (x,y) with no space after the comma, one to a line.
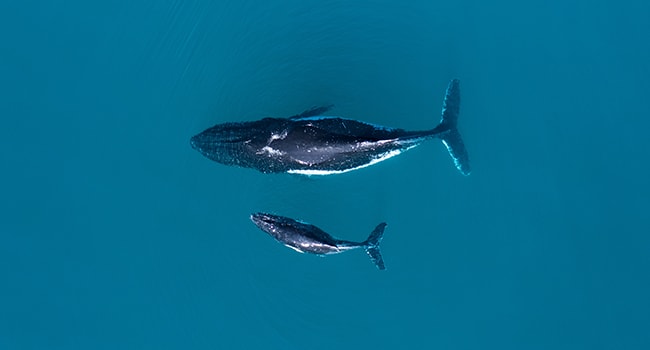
(268,223)
(287,231)
(233,143)
(281,228)
(218,141)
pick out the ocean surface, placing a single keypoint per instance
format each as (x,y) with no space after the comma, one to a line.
(116,234)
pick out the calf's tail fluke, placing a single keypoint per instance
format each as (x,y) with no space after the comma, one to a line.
(372,246)
(447,130)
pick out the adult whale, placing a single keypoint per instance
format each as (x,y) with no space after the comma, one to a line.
(314,144)
(306,238)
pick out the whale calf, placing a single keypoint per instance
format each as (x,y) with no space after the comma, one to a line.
(315,144)
(307,238)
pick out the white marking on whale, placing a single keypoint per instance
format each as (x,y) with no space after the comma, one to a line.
(381,158)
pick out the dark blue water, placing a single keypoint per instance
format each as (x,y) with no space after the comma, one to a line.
(115,234)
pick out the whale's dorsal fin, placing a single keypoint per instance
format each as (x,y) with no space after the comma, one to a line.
(312,112)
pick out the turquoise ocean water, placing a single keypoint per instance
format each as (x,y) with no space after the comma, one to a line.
(115,234)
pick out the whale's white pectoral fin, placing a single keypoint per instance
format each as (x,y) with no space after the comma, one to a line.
(376,160)
(294,248)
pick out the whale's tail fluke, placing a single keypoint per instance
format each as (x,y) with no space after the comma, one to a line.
(447,130)
(372,246)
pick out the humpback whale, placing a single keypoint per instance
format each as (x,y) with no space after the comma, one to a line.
(312,143)
(307,238)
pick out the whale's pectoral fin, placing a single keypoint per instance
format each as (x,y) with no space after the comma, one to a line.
(312,112)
